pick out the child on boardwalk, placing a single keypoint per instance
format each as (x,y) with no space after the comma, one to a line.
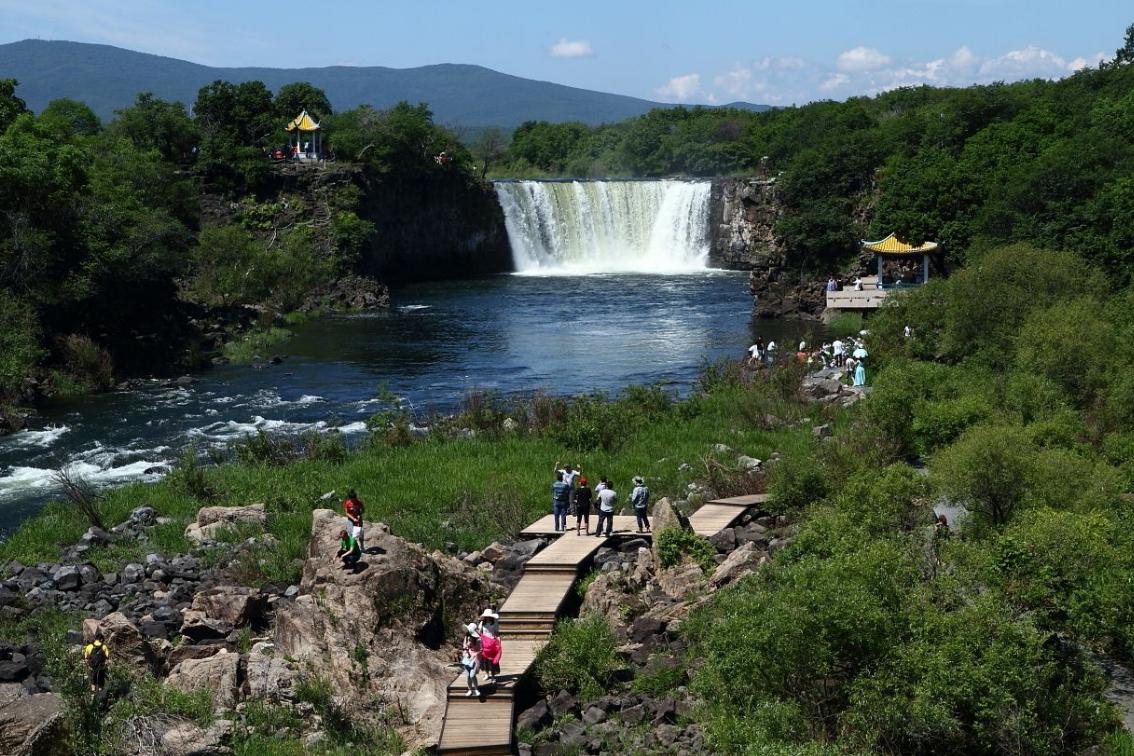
(470,658)
(640,498)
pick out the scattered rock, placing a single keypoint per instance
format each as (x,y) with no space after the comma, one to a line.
(821,431)
(189,739)
(217,674)
(738,564)
(235,605)
(211,520)
(534,718)
(32,725)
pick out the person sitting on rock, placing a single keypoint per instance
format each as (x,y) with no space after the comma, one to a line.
(354,509)
(97,655)
(491,649)
(470,658)
(350,550)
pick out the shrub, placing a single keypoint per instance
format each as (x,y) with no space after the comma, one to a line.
(581,657)
(190,478)
(844,325)
(677,544)
(796,481)
(977,680)
(84,366)
(989,469)
(937,423)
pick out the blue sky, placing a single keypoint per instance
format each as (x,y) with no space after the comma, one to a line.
(778,52)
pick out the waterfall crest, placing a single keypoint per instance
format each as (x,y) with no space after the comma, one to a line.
(579,227)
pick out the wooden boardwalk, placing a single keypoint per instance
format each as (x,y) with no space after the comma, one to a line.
(483,724)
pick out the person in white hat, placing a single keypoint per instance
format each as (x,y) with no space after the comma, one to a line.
(640,498)
(490,647)
(470,658)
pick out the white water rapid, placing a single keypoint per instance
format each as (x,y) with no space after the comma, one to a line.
(581,227)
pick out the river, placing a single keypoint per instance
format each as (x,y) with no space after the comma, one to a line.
(511,334)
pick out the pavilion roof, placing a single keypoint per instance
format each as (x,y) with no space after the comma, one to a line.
(892,245)
(303,122)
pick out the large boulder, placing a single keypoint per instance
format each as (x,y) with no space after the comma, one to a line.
(32,725)
(236,605)
(128,645)
(384,628)
(189,739)
(212,520)
(738,564)
(269,675)
(216,673)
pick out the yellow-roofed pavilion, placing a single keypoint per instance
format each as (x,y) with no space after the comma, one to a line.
(308,144)
(893,248)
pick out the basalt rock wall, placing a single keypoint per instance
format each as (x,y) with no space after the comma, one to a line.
(428,226)
(745,212)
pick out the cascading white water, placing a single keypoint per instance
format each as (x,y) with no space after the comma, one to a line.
(579,227)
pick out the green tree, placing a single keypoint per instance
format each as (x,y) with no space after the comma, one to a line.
(11,106)
(298,96)
(69,118)
(154,124)
(990,470)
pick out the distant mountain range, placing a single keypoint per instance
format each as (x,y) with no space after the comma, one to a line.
(108,78)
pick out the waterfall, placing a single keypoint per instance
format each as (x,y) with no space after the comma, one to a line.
(579,227)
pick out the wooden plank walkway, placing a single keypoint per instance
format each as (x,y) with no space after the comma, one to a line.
(719,514)
(545,526)
(483,724)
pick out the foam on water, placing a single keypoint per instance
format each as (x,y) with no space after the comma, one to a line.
(42,438)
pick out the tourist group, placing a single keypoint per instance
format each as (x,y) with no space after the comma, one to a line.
(571,494)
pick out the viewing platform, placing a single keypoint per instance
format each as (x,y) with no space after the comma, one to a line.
(901,266)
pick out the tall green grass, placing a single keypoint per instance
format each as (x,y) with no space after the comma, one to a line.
(468,491)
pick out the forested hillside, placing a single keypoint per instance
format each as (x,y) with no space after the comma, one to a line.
(108,267)
(1040,161)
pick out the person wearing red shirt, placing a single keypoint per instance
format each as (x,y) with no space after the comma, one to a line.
(354,509)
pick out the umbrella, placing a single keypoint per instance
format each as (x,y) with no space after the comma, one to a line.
(859,353)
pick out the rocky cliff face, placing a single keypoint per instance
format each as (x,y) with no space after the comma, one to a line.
(427,227)
(430,227)
(745,213)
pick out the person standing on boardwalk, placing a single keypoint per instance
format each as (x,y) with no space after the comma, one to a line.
(354,509)
(491,648)
(640,499)
(97,656)
(470,658)
(560,500)
(583,506)
(570,476)
(606,499)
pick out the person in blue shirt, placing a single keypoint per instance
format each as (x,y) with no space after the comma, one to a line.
(560,501)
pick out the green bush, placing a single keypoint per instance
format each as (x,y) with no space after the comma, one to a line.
(581,658)
(937,423)
(991,470)
(677,544)
(844,325)
(796,482)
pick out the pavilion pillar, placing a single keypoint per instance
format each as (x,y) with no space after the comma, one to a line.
(925,268)
(879,271)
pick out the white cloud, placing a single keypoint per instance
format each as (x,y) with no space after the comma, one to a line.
(861,59)
(568,48)
(867,71)
(833,82)
(681,87)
